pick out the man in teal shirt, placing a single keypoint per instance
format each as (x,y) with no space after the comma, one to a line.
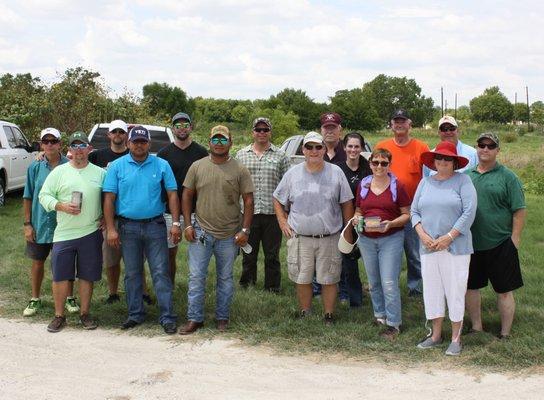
(496,235)
(77,241)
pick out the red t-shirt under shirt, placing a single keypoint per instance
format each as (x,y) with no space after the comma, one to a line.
(383,206)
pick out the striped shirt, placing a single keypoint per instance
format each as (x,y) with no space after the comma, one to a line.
(266,172)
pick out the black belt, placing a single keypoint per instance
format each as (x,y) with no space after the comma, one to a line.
(316,236)
(143,220)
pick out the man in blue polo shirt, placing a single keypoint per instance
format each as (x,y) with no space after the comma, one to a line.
(133,192)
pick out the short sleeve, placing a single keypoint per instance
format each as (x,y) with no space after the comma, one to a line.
(190,178)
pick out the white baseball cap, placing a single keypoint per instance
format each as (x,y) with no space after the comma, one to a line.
(313,137)
(447,119)
(50,131)
(118,124)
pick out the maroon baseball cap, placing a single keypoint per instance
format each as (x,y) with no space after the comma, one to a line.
(330,118)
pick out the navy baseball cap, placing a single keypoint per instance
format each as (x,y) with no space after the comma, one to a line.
(400,113)
(139,133)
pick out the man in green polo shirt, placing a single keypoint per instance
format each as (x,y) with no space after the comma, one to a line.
(496,235)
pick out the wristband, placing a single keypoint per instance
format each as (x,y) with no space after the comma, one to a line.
(451,237)
(187,227)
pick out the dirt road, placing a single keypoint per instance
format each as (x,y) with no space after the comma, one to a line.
(75,364)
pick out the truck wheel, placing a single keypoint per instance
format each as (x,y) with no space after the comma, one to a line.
(2,191)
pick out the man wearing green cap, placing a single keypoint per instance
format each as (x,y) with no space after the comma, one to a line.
(74,190)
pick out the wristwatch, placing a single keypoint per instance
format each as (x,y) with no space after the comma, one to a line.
(178,224)
(246,231)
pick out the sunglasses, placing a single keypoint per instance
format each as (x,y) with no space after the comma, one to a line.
(180,125)
(119,131)
(448,128)
(442,157)
(316,147)
(76,146)
(490,146)
(219,140)
(261,130)
(380,163)
(50,141)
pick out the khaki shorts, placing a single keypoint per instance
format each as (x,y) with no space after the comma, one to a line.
(110,255)
(168,220)
(306,255)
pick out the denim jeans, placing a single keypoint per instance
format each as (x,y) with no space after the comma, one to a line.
(350,287)
(200,253)
(149,239)
(413,261)
(382,257)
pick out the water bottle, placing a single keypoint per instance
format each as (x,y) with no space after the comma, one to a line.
(247,248)
(361,224)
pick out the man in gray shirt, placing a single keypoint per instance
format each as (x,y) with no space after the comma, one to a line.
(318,197)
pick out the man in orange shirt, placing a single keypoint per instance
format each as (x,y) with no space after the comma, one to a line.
(407,167)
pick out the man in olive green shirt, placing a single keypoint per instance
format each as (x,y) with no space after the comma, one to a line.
(496,234)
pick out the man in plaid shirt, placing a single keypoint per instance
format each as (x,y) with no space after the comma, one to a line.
(267,164)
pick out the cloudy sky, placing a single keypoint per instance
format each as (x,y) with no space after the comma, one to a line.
(252,49)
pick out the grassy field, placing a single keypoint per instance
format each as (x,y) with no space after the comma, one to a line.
(260,318)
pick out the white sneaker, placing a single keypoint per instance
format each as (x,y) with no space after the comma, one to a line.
(71,305)
(32,308)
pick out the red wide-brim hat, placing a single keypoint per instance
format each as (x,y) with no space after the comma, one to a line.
(446,149)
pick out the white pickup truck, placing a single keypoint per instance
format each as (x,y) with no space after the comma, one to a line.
(16,154)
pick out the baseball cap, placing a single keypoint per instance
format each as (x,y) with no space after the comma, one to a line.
(447,119)
(490,136)
(78,136)
(181,115)
(330,118)
(50,131)
(118,124)
(264,120)
(220,130)
(312,137)
(139,132)
(400,113)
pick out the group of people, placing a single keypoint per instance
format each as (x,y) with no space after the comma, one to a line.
(457,213)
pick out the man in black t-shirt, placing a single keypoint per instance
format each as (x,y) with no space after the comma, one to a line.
(180,155)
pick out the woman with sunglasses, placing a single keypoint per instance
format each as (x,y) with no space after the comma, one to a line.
(355,168)
(443,210)
(384,205)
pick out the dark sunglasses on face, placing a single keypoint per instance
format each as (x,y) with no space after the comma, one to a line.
(490,146)
(316,147)
(261,130)
(380,163)
(50,141)
(448,128)
(180,125)
(219,140)
(119,131)
(442,157)
(76,146)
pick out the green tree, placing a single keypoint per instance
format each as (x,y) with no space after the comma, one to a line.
(389,93)
(492,106)
(357,111)
(163,100)
(284,123)
(537,112)
(463,114)
(520,112)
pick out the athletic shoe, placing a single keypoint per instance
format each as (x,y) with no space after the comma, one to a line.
(429,343)
(33,306)
(57,324)
(113,298)
(328,319)
(379,322)
(71,305)
(390,333)
(87,322)
(454,349)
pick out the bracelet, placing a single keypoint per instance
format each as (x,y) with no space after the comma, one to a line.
(187,227)
(451,237)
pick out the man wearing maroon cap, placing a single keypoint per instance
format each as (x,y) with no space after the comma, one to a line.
(331,128)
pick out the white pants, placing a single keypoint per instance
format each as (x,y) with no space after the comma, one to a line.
(444,279)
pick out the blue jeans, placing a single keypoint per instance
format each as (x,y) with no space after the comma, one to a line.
(413,261)
(149,239)
(200,253)
(382,257)
(350,286)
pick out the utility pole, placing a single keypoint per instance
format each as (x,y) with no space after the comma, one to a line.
(442,99)
(455,112)
(528,110)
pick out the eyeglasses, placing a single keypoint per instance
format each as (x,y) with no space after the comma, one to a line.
(80,146)
(261,130)
(380,163)
(448,128)
(180,125)
(316,147)
(219,140)
(490,146)
(443,157)
(119,131)
(50,141)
